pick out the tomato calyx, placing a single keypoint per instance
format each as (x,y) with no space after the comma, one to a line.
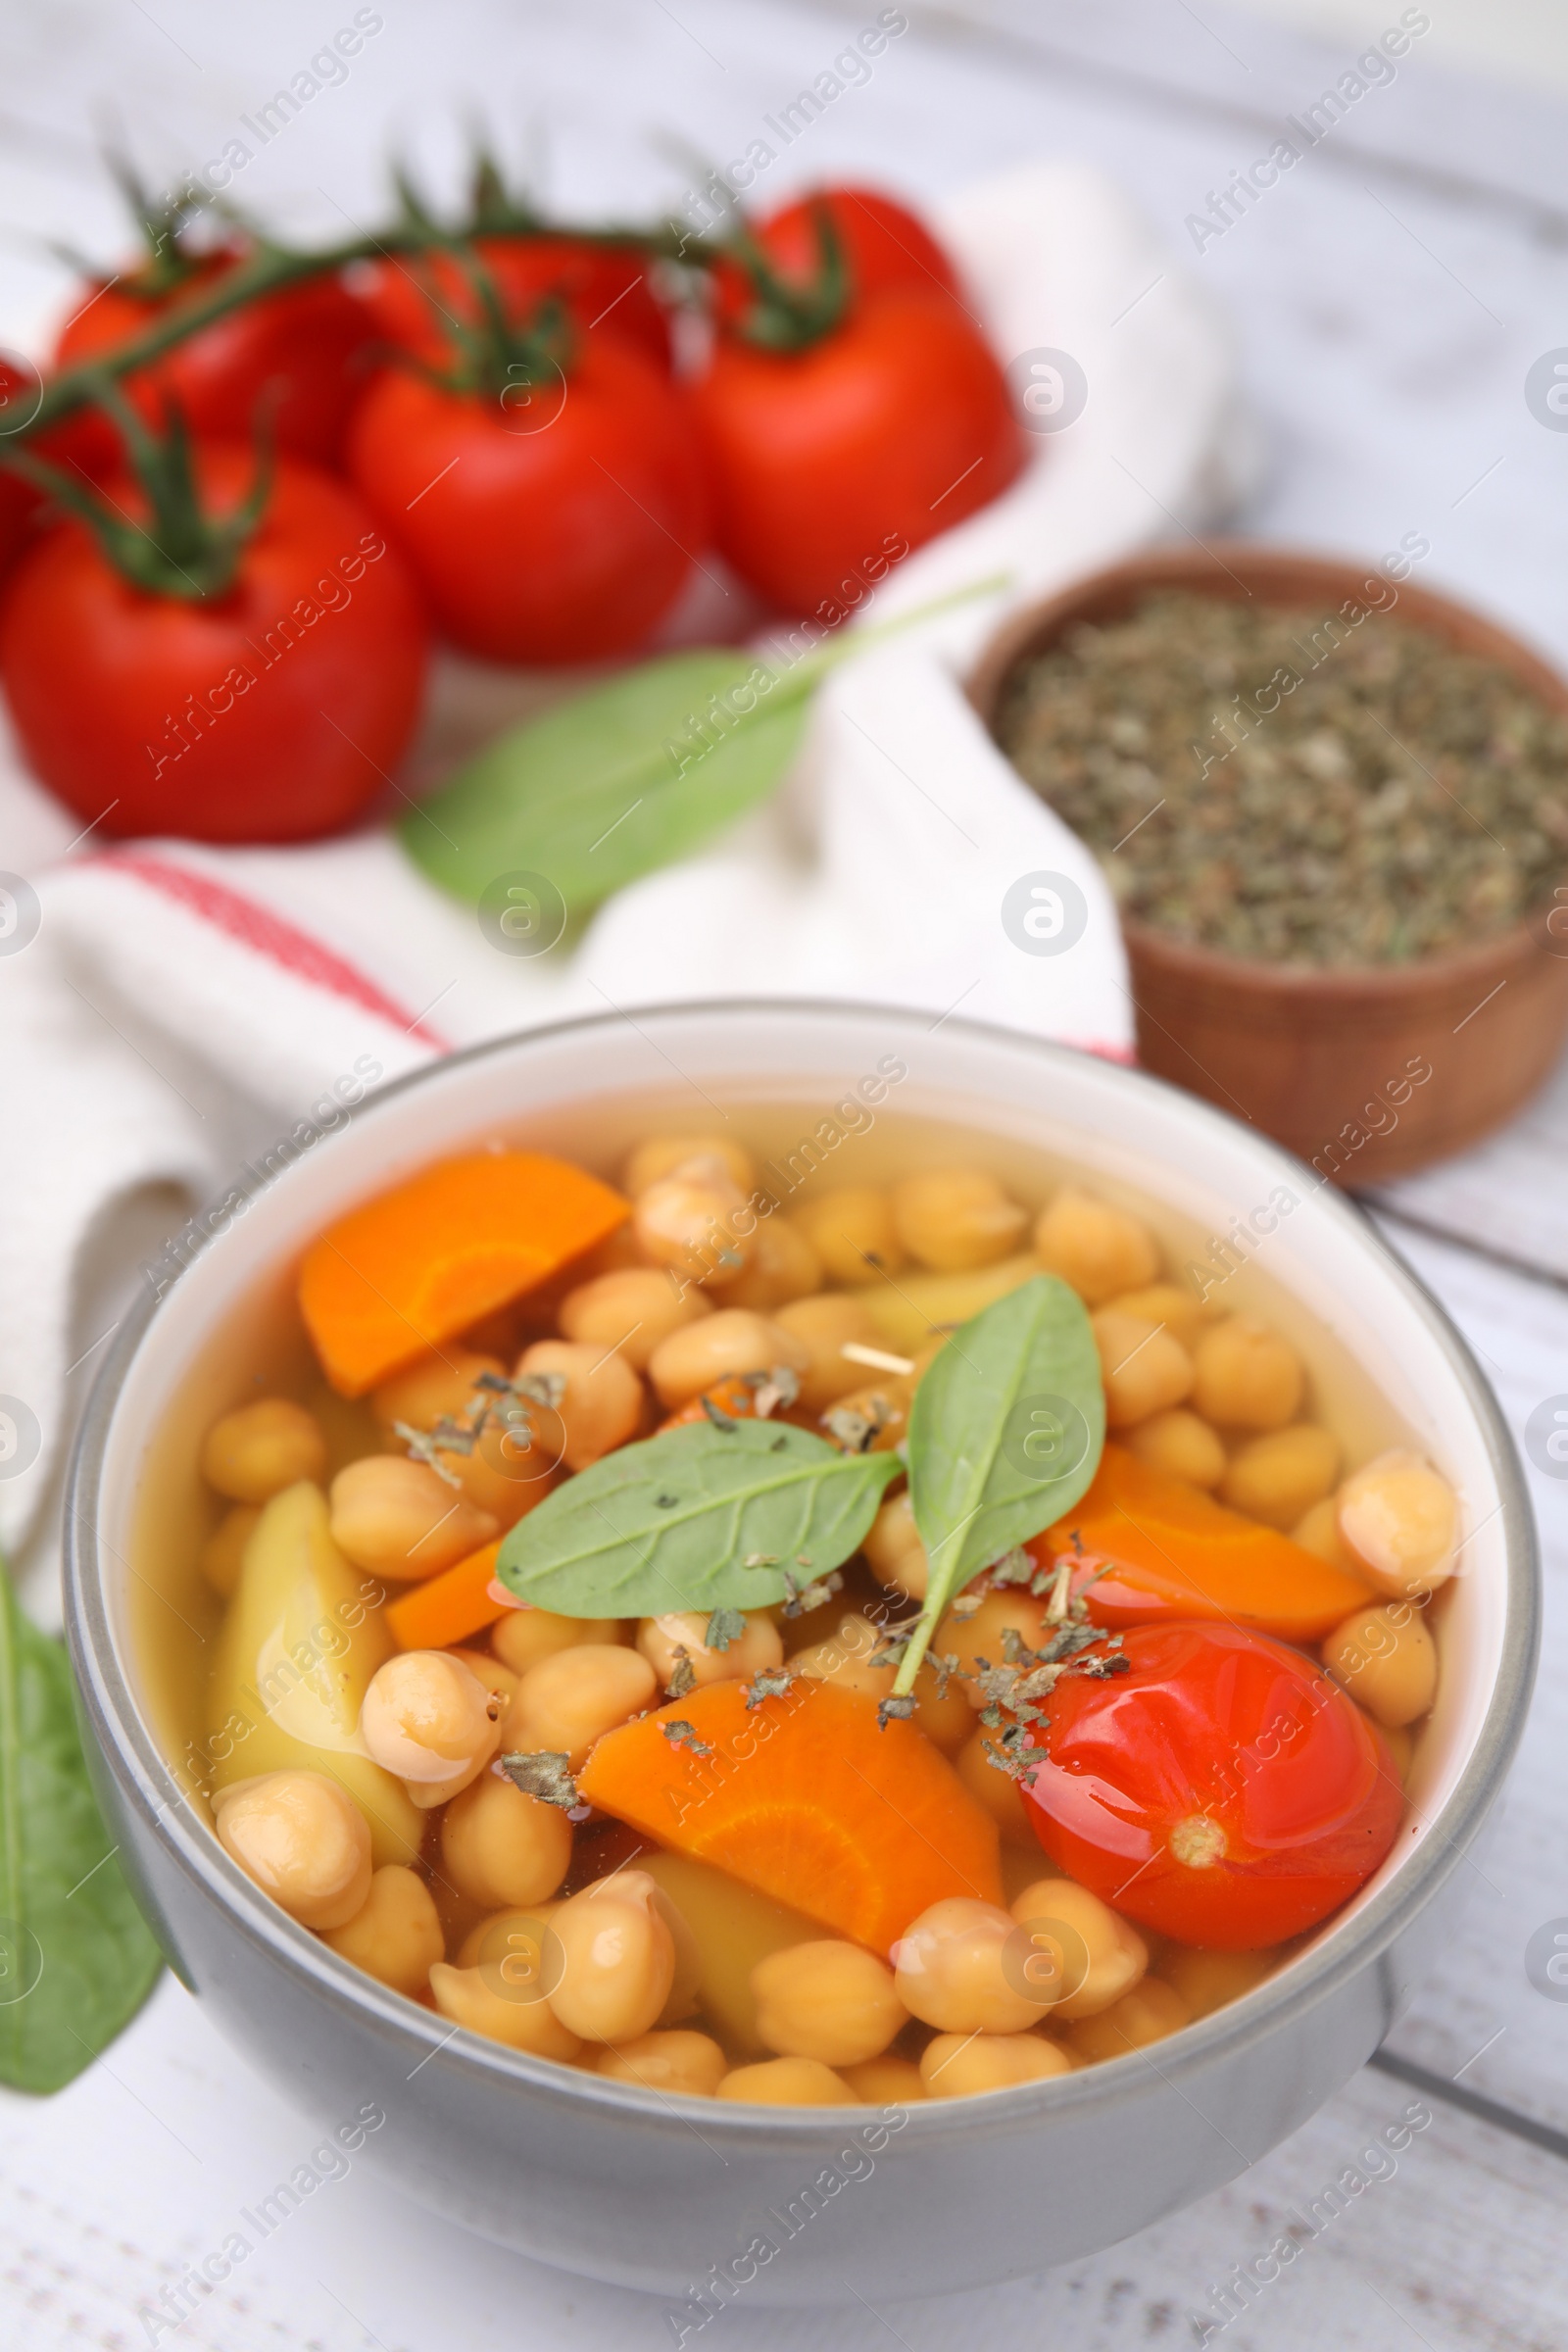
(790,314)
(493,357)
(178,549)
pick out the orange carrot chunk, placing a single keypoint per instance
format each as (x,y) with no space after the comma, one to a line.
(1169,1550)
(734,1396)
(419,1263)
(448,1607)
(806,1800)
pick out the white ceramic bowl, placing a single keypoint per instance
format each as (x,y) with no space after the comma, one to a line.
(770,2205)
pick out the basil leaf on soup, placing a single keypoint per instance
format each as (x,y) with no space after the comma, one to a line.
(1005,1434)
(697,1518)
(76,1960)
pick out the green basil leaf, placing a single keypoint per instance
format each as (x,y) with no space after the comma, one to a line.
(626,777)
(1005,1434)
(671,1523)
(631,774)
(76,1961)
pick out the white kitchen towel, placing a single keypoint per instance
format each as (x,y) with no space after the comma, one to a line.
(167,1011)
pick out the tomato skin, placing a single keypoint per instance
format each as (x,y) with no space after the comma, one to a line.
(563,544)
(892,427)
(95,671)
(311,340)
(884,243)
(604,288)
(1233,1730)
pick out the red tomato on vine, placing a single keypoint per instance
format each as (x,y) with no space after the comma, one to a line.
(1223,1791)
(604,286)
(548,492)
(212,655)
(883,245)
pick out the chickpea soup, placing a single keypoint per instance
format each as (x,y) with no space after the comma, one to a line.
(796,1643)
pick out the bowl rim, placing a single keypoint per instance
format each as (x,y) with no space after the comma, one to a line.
(134,1756)
(1170,565)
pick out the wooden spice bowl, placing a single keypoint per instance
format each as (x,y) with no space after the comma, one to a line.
(1367,1071)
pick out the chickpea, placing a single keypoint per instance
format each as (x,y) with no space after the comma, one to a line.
(821,1325)
(660,1640)
(425,1718)
(954,1219)
(853,1232)
(782,1266)
(223,1555)
(893,1549)
(303,1839)
(1144,1370)
(502,1848)
(254,1452)
(960,1967)
(524,1638)
(787,2083)
(1181,1444)
(829,2000)
(601,1403)
(630,1311)
(1317,1531)
(957,2065)
(660,1154)
(1207,1980)
(882,1407)
(846,1658)
(1279,1477)
(977,1638)
(402,1521)
(698,1220)
(569,1700)
(1402,1522)
(885,2081)
(462,1995)
(1100,1251)
(1387,1660)
(438,1385)
(996,1790)
(1397,1739)
(515,1462)
(1097,1954)
(1147,2014)
(682,2065)
(617,1959)
(1169,1303)
(510,1945)
(1246,1376)
(500,1680)
(397,1936)
(734,1340)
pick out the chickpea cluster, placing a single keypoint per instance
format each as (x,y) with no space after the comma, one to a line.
(516,1922)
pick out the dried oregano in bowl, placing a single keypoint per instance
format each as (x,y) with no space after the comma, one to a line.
(1265,781)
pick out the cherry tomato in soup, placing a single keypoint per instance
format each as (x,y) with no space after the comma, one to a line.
(305,348)
(888,429)
(605,287)
(556,522)
(1223,1791)
(271,712)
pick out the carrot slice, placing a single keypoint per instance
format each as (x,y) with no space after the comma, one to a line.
(449,1607)
(429,1258)
(735,1397)
(1171,1552)
(806,1800)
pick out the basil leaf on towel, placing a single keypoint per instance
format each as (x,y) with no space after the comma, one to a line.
(631,774)
(76,1960)
(697,1518)
(1005,1434)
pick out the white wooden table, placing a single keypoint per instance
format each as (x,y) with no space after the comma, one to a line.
(1389,297)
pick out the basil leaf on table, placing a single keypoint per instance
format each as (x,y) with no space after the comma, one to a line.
(670,1524)
(634,773)
(77,1959)
(1005,1434)
(617,781)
